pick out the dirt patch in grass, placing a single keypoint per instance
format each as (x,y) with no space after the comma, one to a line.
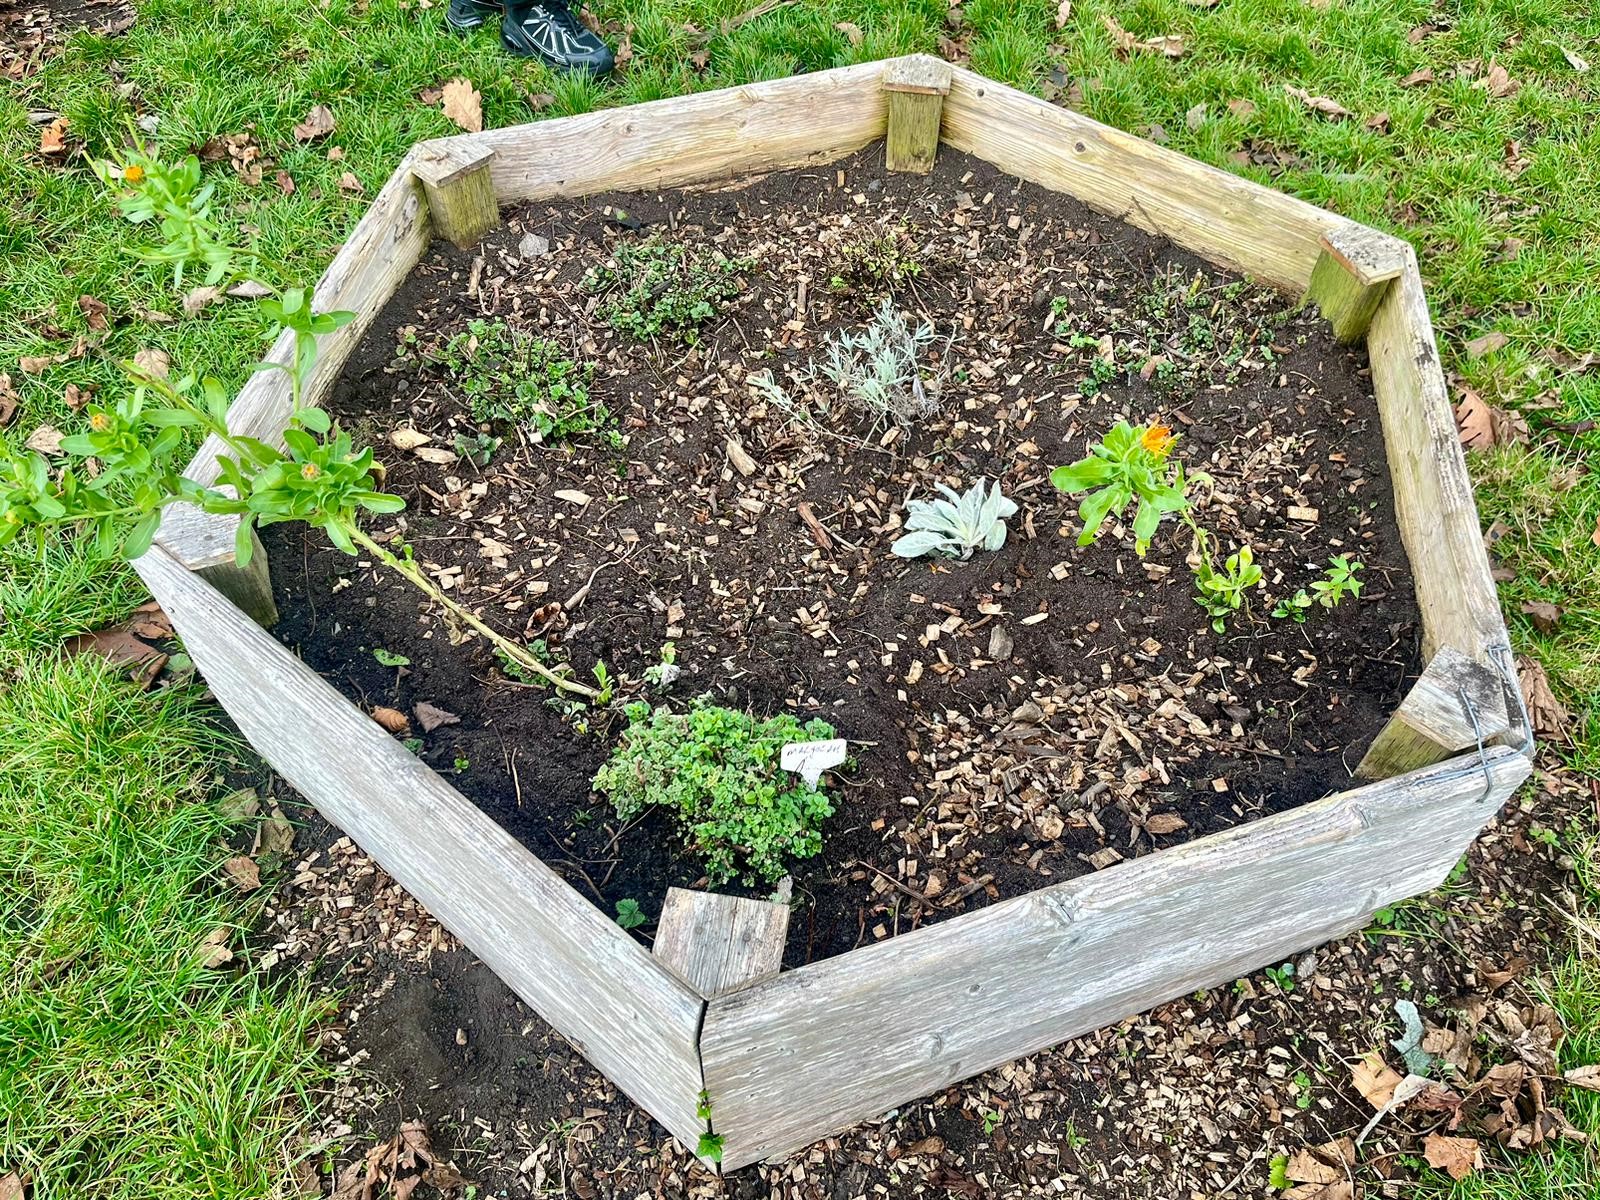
(1015,719)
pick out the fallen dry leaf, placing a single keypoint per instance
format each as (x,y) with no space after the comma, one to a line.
(242,872)
(392,719)
(38,364)
(1575,60)
(154,362)
(1169,44)
(8,401)
(851,32)
(1498,82)
(1546,617)
(214,948)
(407,438)
(1196,116)
(150,621)
(239,806)
(319,123)
(1584,1077)
(1481,425)
(46,440)
(463,104)
(196,299)
(1163,823)
(1322,1172)
(1063,13)
(53,137)
(1456,1155)
(1321,104)
(437,455)
(431,716)
(95,312)
(1418,77)
(1378,122)
(1545,712)
(285,182)
(1242,108)
(276,835)
(349,183)
(1375,1079)
(573,496)
(11,1186)
(1487,343)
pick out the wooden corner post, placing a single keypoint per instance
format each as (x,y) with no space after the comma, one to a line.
(719,944)
(1351,274)
(460,191)
(1456,705)
(249,587)
(917,86)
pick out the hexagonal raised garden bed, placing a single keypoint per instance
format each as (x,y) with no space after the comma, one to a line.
(707,1021)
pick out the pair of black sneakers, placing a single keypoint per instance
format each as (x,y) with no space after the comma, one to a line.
(544,29)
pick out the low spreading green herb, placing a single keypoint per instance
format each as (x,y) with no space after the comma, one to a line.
(717,770)
(654,287)
(509,375)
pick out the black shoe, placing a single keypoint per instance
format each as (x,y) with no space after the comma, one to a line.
(549,30)
(464,16)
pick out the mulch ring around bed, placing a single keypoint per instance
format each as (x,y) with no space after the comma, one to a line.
(1015,719)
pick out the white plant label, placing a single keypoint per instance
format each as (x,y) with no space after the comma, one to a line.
(810,759)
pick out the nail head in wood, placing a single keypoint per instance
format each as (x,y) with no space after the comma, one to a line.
(460,190)
(1432,722)
(1353,271)
(719,944)
(917,86)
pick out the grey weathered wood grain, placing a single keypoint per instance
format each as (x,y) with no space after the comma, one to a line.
(380,252)
(804,119)
(1455,702)
(791,1060)
(1434,505)
(718,943)
(1351,276)
(460,189)
(624,1011)
(1222,217)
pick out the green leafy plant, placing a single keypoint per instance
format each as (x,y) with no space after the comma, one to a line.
(1282,976)
(710,1147)
(173,197)
(1294,607)
(1278,1173)
(663,674)
(877,263)
(1337,582)
(462,762)
(478,448)
(717,770)
(389,658)
(1223,592)
(603,683)
(512,376)
(991,1120)
(630,915)
(955,526)
(1131,464)
(654,287)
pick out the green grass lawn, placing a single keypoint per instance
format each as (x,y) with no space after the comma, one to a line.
(1500,194)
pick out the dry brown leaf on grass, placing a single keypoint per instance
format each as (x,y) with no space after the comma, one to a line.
(1545,712)
(53,137)
(1458,1156)
(276,835)
(1321,104)
(1584,1077)
(1487,343)
(349,183)
(45,440)
(95,312)
(851,32)
(1546,617)
(1063,13)
(1481,425)
(11,1186)
(319,123)
(1498,82)
(463,104)
(8,401)
(1125,43)
(392,719)
(154,362)
(242,872)
(1575,60)
(1418,77)
(214,950)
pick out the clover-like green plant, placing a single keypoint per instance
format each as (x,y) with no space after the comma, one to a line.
(509,375)
(1223,592)
(1131,464)
(717,770)
(955,526)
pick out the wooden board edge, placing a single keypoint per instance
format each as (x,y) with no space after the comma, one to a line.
(630,1016)
(1344,818)
(1225,218)
(1435,505)
(747,129)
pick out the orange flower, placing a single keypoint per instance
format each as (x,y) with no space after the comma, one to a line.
(132,173)
(309,471)
(1157,439)
(100,422)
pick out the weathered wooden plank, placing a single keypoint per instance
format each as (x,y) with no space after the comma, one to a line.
(719,944)
(791,122)
(1230,220)
(460,190)
(1434,505)
(1352,274)
(380,252)
(624,1011)
(1455,703)
(803,1055)
(917,85)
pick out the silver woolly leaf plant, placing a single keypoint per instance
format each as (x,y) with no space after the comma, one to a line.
(876,369)
(955,526)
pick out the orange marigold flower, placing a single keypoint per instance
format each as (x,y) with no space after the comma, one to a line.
(1157,439)
(132,173)
(100,422)
(310,471)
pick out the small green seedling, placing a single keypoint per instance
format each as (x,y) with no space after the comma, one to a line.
(1294,607)
(478,449)
(710,1147)
(662,675)
(462,762)
(1222,593)
(1302,1090)
(1282,976)
(389,658)
(991,1120)
(603,683)
(629,914)
(1278,1173)
(1131,464)
(1339,581)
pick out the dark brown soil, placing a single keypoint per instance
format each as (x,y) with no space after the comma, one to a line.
(1120,722)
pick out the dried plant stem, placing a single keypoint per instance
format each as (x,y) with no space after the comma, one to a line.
(516,653)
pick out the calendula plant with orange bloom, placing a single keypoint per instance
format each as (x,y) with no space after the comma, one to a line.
(174,197)
(1132,463)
